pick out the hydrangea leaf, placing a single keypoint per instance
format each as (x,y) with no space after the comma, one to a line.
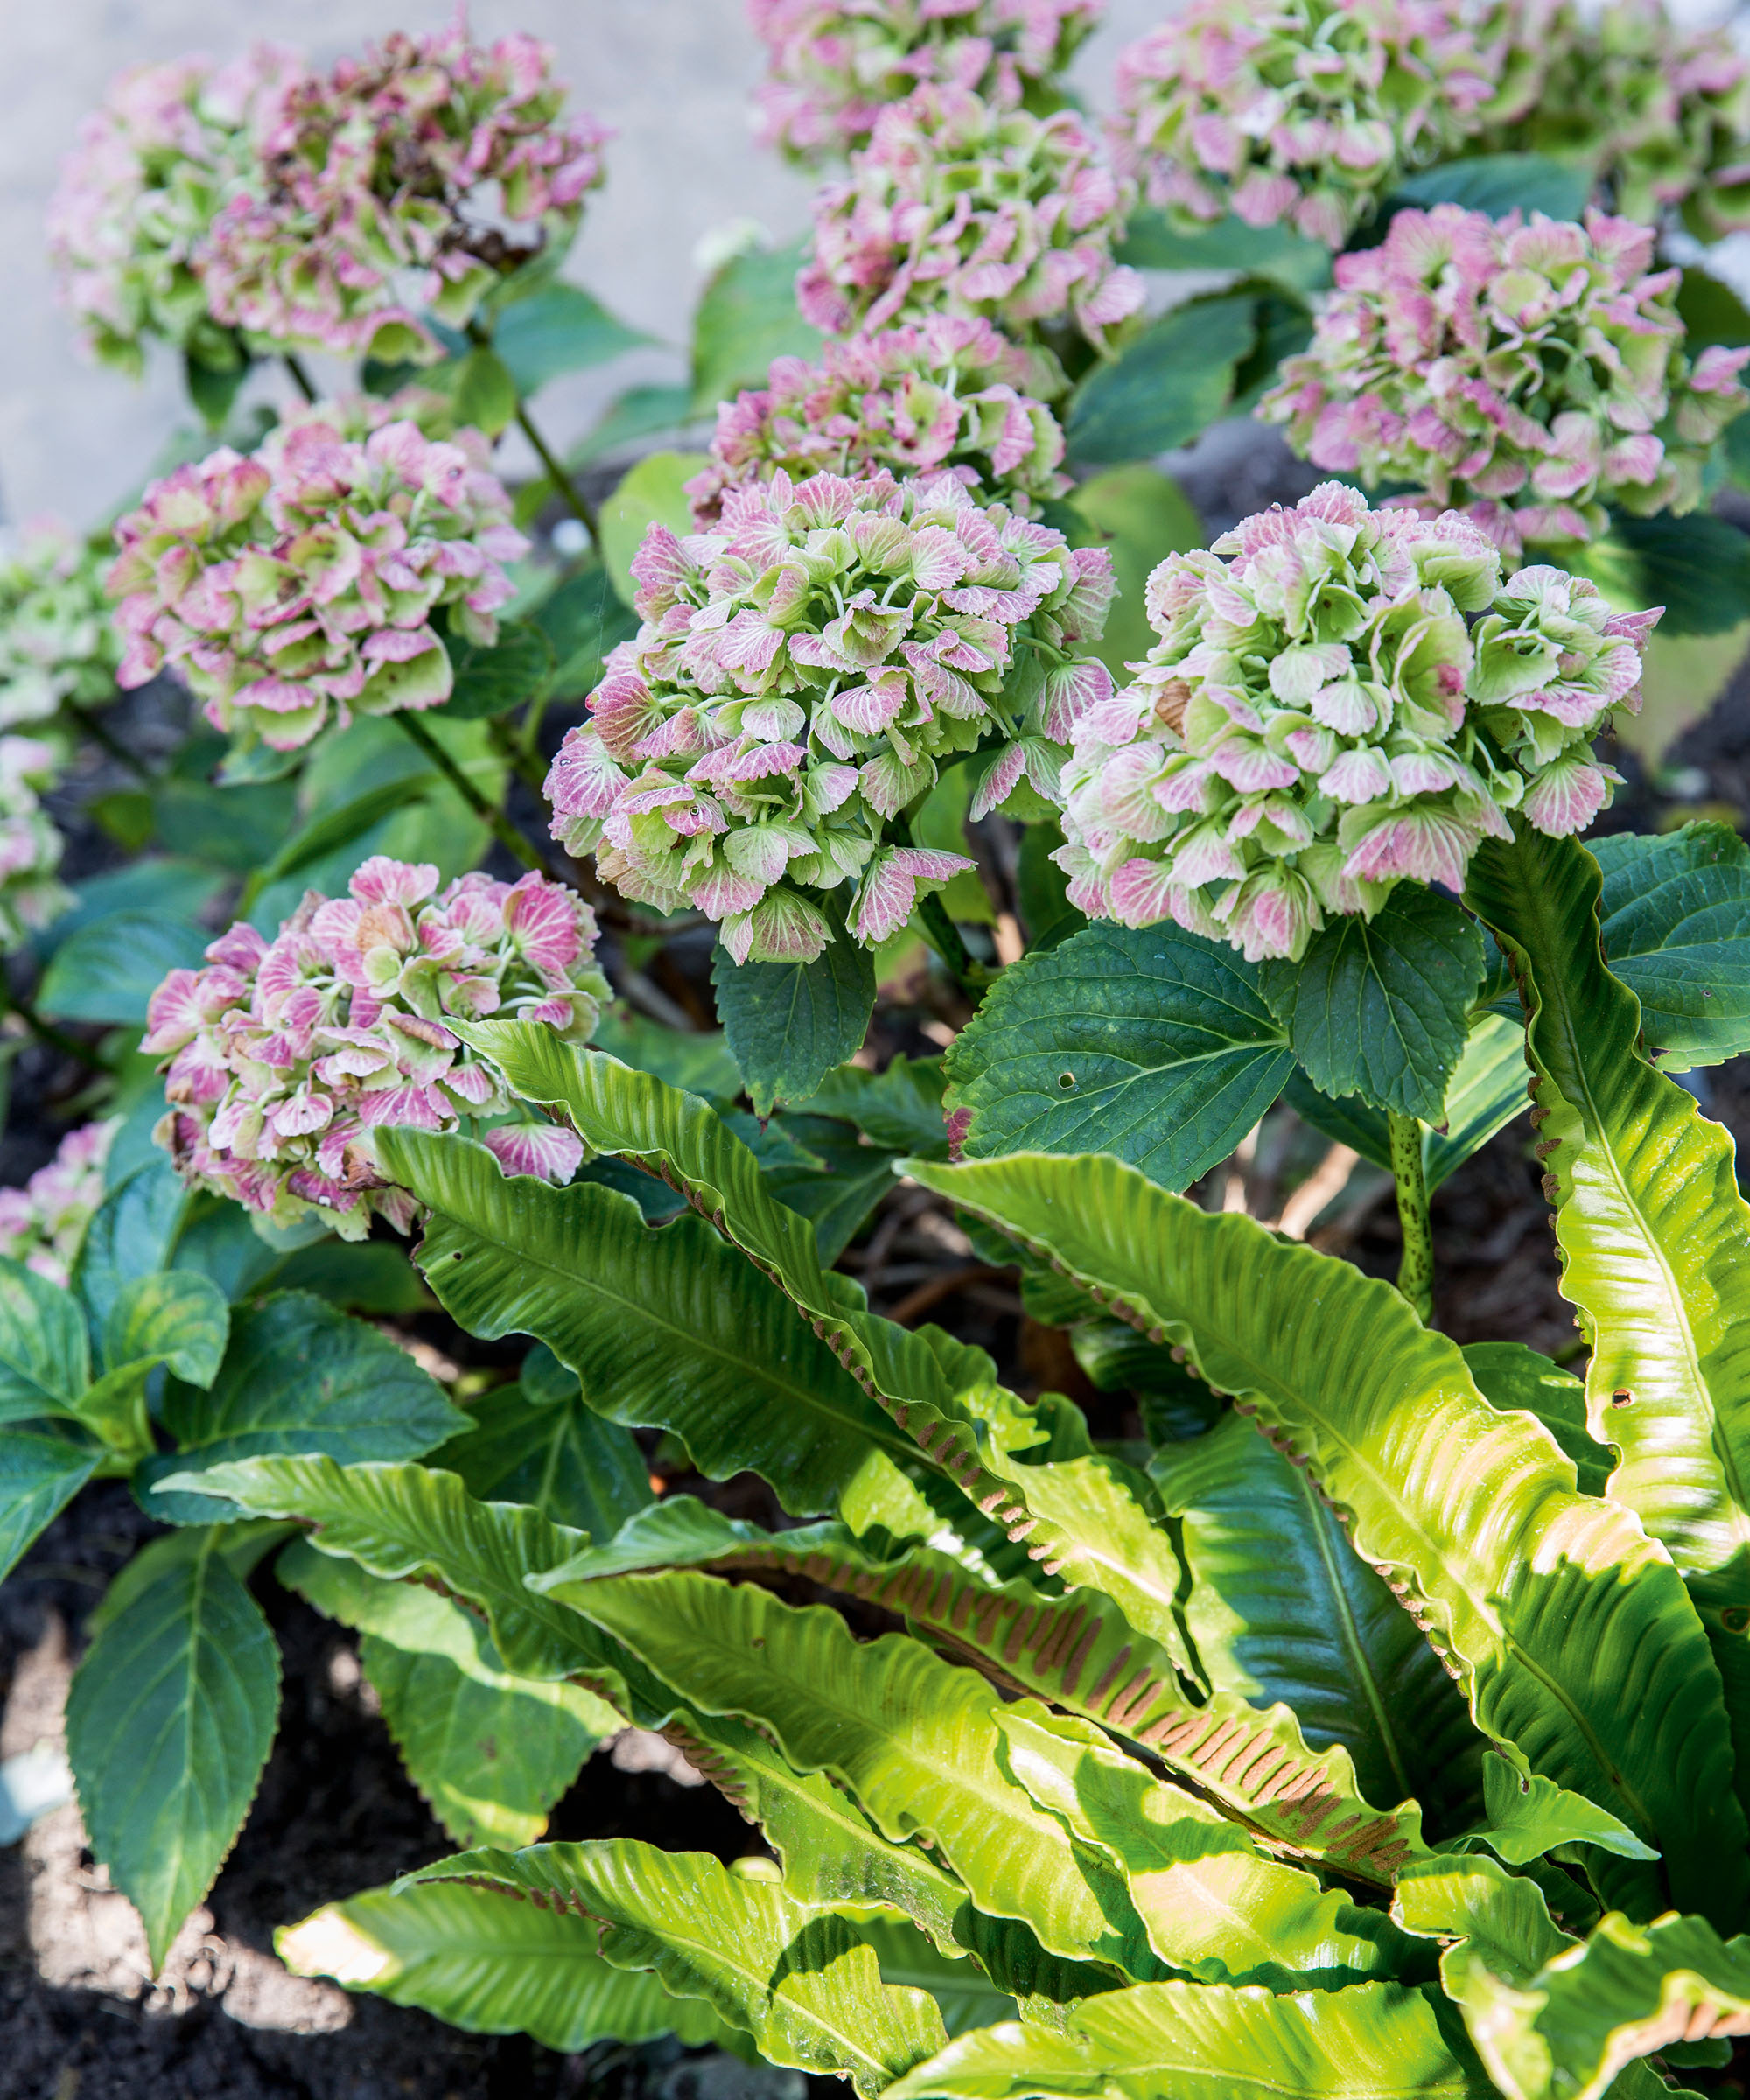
(899,1108)
(519,666)
(40,1472)
(584,619)
(45,1359)
(551,1451)
(108,969)
(745,318)
(788,1025)
(561,328)
(490,1963)
(1141,515)
(1378,1006)
(169,1722)
(1168,385)
(652,493)
(1675,915)
(1154,1046)
(1499,183)
(1697,567)
(1152,242)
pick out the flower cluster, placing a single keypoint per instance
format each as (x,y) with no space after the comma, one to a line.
(1527,373)
(128,221)
(42,1223)
(958,205)
(393,179)
(1305,110)
(303,579)
(285,1055)
(799,673)
(56,640)
(833,65)
(1355,696)
(945,394)
(1661,112)
(30,894)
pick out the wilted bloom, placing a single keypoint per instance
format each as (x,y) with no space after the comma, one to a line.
(285,1055)
(833,65)
(57,641)
(1528,375)
(947,393)
(306,579)
(413,177)
(800,672)
(1304,110)
(1353,698)
(1659,111)
(29,845)
(957,206)
(154,165)
(42,1223)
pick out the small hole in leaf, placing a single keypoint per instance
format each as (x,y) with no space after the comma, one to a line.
(1066,1080)
(1735,1618)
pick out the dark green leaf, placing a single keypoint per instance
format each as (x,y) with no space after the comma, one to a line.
(1510,1375)
(1047,913)
(1167,386)
(168,1726)
(838,1181)
(130,1235)
(653,492)
(176,1318)
(1155,1046)
(557,1454)
(1697,567)
(1378,1007)
(1151,241)
(483,392)
(899,1108)
(562,329)
(44,1360)
(363,1276)
(225,827)
(335,826)
(745,318)
(157,884)
(1140,515)
(299,1376)
(1285,329)
(109,970)
(788,1024)
(1498,183)
(213,388)
(584,619)
(518,667)
(40,1472)
(1675,920)
(1712,311)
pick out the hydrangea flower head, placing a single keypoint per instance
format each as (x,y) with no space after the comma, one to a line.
(412,177)
(801,670)
(57,641)
(285,1055)
(958,205)
(30,894)
(833,65)
(945,393)
(128,224)
(1350,698)
(42,1223)
(1528,375)
(300,584)
(1306,111)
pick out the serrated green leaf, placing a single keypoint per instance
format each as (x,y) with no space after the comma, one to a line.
(899,1107)
(697,1064)
(1571,1632)
(1378,1006)
(44,1360)
(557,330)
(131,1234)
(1656,1241)
(1207,2042)
(299,1376)
(1282,1607)
(666,1329)
(1155,1046)
(490,1751)
(490,1963)
(240,1545)
(1166,386)
(558,1456)
(176,1318)
(169,1722)
(652,493)
(1675,915)
(746,317)
(519,666)
(788,1025)
(359,1276)
(820,1167)
(40,1472)
(108,971)
(1526,1815)
(798,1978)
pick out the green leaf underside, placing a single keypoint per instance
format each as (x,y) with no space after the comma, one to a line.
(788,1025)
(796,1978)
(1377,1007)
(1571,1631)
(490,1963)
(1655,1242)
(1675,919)
(1155,1046)
(169,1722)
(1282,1607)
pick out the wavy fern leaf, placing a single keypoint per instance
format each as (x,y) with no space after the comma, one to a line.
(798,1978)
(1571,1632)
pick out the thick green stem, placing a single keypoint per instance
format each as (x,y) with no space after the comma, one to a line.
(1415,1270)
(503,830)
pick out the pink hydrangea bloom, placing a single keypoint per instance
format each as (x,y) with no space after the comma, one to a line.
(284,1056)
(412,177)
(1306,110)
(1352,698)
(801,671)
(30,894)
(56,640)
(947,393)
(171,145)
(1528,375)
(42,1223)
(957,206)
(302,582)
(833,65)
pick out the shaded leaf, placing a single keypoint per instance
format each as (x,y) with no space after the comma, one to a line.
(1675,915)
(45,1362)
(746,317)
(40,1472)
(583,620)
(640,412)
(697,1064)
(1166,386)
(176,1318)
(519,666)
(558,1455)
(899,1107)
(1140,515)
(108,969)
(1510,1375)
(1151,241)
(788,1025)
(652,493)
(1697,567)
(1498,183)
(558,329)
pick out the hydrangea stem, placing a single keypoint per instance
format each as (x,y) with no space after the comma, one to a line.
(940,931)
(564,487)
(300,378)
(500,826)
(1415,1270)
